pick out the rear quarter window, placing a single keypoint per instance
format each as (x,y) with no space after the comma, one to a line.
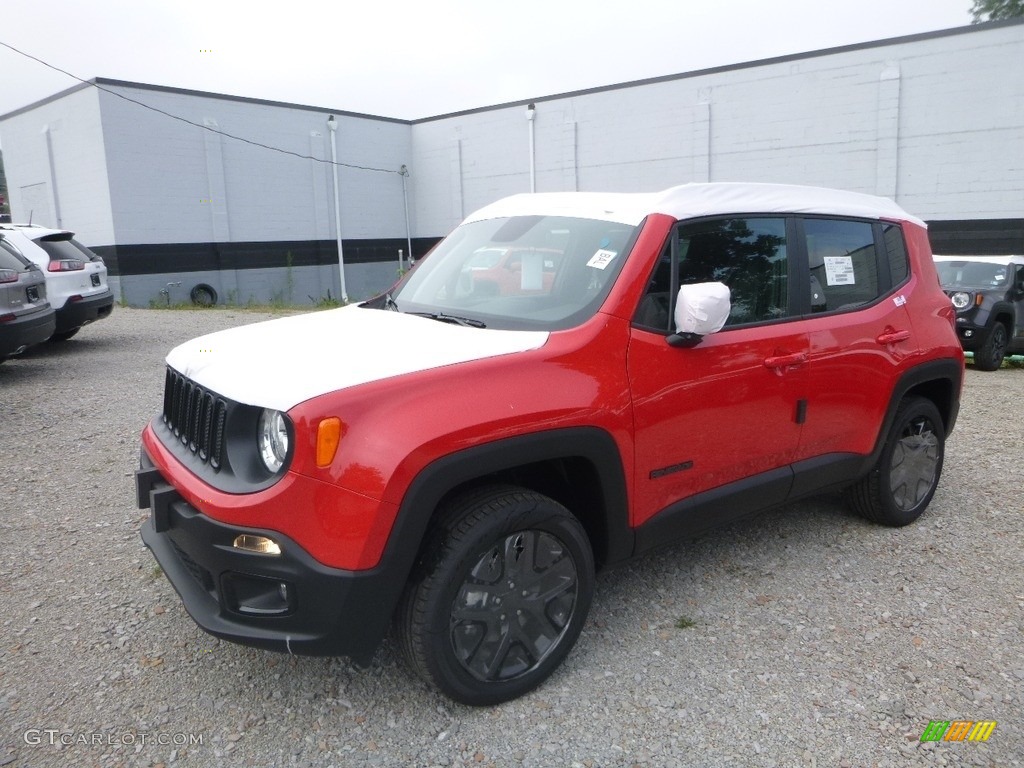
(896,252)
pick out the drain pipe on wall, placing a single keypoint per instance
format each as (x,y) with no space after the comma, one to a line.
(333,125)
(530,111)
(404,173)
(48,133)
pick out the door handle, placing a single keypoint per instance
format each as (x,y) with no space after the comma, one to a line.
(891,337)
(779,362)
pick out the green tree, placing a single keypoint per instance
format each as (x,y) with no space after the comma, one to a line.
(992,10)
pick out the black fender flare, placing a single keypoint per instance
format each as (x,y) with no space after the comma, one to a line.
(448,472)
(935,372)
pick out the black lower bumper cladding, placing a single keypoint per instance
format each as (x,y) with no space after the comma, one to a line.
(288,602)
(75,314)
(26,330)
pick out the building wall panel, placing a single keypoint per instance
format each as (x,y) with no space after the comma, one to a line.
(56,154)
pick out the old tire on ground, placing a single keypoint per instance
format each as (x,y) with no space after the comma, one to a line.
(902,483)
(989,356)
(500,595)
(203,295)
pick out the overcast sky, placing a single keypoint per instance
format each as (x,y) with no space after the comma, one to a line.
(410,59)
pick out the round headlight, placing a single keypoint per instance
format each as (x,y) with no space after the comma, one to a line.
(273,439)
(961,299)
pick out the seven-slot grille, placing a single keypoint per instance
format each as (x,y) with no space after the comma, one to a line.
(196,416)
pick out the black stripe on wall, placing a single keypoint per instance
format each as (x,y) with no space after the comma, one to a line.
(950,237)
(151,259)
(977,237)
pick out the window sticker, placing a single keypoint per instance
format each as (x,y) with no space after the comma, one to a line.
(532,277)
(839,270)
(601,259)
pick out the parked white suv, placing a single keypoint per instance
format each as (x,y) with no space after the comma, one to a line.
(76,278)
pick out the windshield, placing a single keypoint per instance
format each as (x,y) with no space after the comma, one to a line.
(972,274)
(523,272)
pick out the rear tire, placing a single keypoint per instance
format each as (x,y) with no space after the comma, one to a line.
(989,356)
(901,485)
(500,596)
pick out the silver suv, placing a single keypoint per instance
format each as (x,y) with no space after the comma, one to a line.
(26,317)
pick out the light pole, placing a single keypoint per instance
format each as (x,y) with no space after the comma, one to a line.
(333,125)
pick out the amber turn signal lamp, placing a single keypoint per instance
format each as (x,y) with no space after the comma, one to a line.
(328,435)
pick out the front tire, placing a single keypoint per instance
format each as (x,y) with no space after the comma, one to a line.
(989,355)
(901,485)
(500,597)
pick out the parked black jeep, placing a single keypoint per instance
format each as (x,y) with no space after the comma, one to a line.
(988,294)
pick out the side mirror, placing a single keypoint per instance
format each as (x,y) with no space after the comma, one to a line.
(701,308)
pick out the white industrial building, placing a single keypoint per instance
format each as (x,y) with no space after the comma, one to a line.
(935,121)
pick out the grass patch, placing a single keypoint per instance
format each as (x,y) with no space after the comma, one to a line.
(685,622)
(326,302)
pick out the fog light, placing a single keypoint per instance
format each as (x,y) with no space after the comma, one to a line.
(257,595)
(259,544)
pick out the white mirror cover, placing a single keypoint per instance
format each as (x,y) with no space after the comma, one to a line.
(702,308)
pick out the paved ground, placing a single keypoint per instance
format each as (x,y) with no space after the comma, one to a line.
(811,637)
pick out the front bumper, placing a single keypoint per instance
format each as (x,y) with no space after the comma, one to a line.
(75,314)
(288,602)
(971,336)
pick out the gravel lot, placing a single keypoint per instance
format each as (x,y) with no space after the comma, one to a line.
(816,639)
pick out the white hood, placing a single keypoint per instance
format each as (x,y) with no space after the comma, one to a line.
(280,363)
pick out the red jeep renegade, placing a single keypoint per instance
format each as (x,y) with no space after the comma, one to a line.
(459,461)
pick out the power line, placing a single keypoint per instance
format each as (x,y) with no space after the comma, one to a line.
(192,123)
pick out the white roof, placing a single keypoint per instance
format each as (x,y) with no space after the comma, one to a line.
(692,200)
(33,231)
(1004,260)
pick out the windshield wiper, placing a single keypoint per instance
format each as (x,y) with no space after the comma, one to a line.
(390,303)
(466,321)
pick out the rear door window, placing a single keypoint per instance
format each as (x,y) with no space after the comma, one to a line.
(843,264)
